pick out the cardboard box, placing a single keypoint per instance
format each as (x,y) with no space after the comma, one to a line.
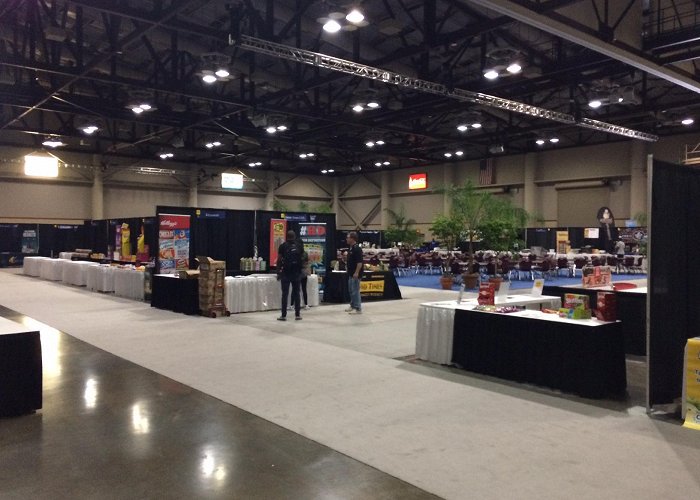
(209,264)
(606,306)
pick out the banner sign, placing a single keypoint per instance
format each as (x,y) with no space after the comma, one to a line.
(372,288)
(278,235)
(418,181)
(563,242)
(173,243)
(210,214)
(314,237)
(692,384)
(30,241)
(297,217)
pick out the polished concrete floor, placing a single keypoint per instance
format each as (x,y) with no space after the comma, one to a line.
(112,429)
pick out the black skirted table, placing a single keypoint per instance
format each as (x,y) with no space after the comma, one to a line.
(20,369)
(374,285)
(175,294)
(631,310)
(584,357)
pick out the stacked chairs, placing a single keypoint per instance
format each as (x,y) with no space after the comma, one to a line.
(563,264)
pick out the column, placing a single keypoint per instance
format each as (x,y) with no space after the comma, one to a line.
(97,193)
(447,180)
(638,178)
(529,186)
(192,191)
(335,202)
(270,194)
(384,200)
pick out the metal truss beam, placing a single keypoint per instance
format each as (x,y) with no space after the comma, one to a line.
(398,79)
(569,29)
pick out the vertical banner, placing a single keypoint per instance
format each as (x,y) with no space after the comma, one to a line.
(173,242)
(692,384)
(30,241)
(563,242)
(278,234)
(314,237)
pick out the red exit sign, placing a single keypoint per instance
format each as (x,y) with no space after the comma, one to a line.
(418,181)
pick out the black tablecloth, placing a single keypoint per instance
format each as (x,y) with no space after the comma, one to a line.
(379,285)
(175,294)
(631,311)
(584,360)
(20,373)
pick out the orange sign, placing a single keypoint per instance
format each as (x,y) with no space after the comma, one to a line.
(418,181)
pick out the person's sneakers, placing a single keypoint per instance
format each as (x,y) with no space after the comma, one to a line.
(355,311)
(349,309)
(282,318)
(307,307)
(298,318)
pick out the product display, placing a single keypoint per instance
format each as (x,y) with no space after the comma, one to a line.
(596,276)
(606,306)
(575,307)
(211,285)
(487,294)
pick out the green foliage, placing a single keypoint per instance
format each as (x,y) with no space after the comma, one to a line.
(502,228)
(324,208)
(447,229)
(279,206)
(642,219)
(303,206)
(401,229)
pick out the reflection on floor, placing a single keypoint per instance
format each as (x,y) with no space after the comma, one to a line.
(112,428)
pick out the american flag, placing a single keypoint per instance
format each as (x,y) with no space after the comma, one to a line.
(486,172)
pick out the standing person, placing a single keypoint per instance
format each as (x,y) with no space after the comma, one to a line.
(305,271)
(355,263)
(289,272)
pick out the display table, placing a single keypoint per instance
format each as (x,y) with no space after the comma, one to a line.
(100,278)
(32,265)
(128,283)
(584,357)
(75,272)
(435,323)
(631,310)
(375,285)
(175,294)
(65,255)
(261,292)
(20,369)
(52,269)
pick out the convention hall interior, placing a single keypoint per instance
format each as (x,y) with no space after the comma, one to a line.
(522,177)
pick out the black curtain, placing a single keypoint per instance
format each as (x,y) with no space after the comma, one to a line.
(240,238)
(674,267)
(11,236)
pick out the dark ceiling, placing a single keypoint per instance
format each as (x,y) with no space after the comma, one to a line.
(66,64)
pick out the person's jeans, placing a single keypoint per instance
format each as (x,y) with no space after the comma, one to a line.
(286,282)
(354,289)
(303,281)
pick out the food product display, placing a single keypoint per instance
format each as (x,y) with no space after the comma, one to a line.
(606,306)
(487,294)
(575,307)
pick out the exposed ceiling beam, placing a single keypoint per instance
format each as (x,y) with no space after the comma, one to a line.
(575,32)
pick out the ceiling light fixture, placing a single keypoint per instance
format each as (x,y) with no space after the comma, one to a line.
(369,144)
(222,73)
(687,121)
(379,142)
(89,129)
(373,104)
(540,142)
(514,68)
(304,156)
(448,155)
(386,163)
(209,78)
(254,164)
(462,127)
(53,142)
(491,74)
(271,129)
(378,164)
(476,125)
(554,140)
(324,171)
(595,103)
(459,153)
(213,144)
(331,26)
(355,16)
(358,108)
(165,156)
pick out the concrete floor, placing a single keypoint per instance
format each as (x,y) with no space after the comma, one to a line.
(143,435)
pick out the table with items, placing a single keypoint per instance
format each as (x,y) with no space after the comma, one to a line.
(583,357)
(435,323)
(20,369)
(262,292)
(374,285)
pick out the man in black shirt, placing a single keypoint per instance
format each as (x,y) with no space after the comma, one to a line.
(289,258)
(355,263)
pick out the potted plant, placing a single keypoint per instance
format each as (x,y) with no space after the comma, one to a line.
(401,229)
(447,280)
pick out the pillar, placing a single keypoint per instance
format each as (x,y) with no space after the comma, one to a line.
(192,190)
(270,193)
(384,200)
(638,178)
(529,186)
(97,194)
(335,202)
(447,181)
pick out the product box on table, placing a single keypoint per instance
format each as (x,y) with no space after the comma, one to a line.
(575,306)
(487,294)
(209,264)
(606,306)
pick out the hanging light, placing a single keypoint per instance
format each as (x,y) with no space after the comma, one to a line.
(222,73)
(595,103)
(373,104)
(463,127)
(540,142)
(459,153)
(165,155)
(331,26)
(687,121)
(379,142)
(281,128)
(358,108)
(476,125)
(209,78)
(355,16)
(53,142)
(386,163)
(448,155)
(514,68)
(89,129)
(271,129)
(554,140)
(369,144)
(491,74)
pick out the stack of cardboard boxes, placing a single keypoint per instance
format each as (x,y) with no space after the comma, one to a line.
(211,284)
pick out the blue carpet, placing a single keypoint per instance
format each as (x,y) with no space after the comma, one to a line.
(433,281)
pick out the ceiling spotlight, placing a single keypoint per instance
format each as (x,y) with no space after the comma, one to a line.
(145,106)
(165,156)
(369,144)
(463,128)
(514,68)
(213,144)
(271,129)
(209,145)
(222,73)
(324,171)
(138,110)
(216,144)
(448,155)
(358,108)
(459,153)
(310,155)
(687,121)
(254,164)
(386,163)
(330,170)
(355,16)
(331,26)
(378,164)
(554,140)
(373,104)
(90,129)
(281,128)
(540,142)
(476,125)
(302,156)
(595,103)
(53,142)
(209,78)
(491,74)
(379,142)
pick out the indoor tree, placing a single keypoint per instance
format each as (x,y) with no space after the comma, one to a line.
(502,228)
(401,229)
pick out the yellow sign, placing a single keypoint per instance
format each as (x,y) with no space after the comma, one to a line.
(563,242)
(692,384)
(372,286)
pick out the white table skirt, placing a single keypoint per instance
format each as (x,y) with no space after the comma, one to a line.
(128,283)
(32,265)
(52,269)
(65,255)
(261,292)
(75,272)
(100,278)
(435,323)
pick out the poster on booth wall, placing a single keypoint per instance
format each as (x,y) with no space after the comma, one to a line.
(173,243)
(278,235)
(692,384)
(30,241)
(314,237)
(563,242)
